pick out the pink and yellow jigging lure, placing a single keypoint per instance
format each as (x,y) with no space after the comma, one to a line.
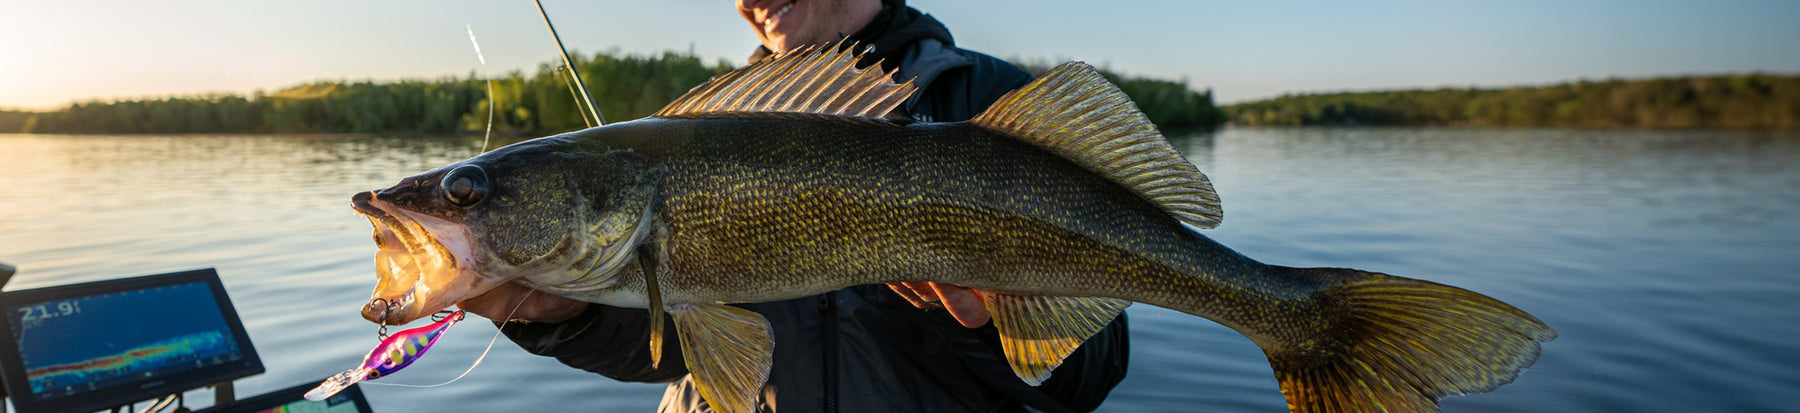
(394,353)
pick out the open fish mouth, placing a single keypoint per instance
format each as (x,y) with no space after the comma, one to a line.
(423,263)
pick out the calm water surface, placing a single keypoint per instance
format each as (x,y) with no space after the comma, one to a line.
(1669,261)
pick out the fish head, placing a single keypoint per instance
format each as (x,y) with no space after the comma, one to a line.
(544,213)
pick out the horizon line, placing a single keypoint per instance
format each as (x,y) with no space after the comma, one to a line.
(1301,92)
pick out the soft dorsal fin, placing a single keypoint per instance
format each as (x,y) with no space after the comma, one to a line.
(818,80)
(1075,112)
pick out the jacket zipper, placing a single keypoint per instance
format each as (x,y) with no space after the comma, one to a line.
(829,314)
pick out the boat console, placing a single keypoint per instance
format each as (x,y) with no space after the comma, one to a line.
(106,344)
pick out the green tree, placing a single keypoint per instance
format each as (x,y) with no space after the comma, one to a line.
(626,86)
(1738,101)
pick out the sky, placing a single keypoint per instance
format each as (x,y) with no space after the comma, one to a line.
(56,52)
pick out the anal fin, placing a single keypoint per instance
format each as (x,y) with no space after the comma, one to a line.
(1039,331)
(728,351)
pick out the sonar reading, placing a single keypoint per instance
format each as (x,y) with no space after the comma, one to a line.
(34,316)
(82,344)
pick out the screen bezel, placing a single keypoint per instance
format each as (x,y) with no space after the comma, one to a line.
(12,367)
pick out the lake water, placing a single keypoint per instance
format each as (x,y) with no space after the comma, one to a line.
(1668,261)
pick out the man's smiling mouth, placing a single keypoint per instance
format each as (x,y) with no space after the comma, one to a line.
(769,23)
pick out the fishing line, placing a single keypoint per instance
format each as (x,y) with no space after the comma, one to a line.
(576,74)
(478,360)
(490,88)
(572,94)
(486,136)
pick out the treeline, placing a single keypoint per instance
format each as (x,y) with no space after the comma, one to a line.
(1171,105)
(13,120)
(1739,101)
(625,86)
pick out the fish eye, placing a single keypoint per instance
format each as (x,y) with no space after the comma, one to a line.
(466,185)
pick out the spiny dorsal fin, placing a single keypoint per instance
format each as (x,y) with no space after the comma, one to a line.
(818,80)
(1075,112)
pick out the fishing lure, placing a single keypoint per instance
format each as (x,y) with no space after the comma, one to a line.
(394,353)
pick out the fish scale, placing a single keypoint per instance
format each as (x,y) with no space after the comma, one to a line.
(1062,204)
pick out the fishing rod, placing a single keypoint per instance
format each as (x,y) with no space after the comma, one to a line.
(585,96)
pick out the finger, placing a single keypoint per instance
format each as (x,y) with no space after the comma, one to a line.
(907,292)
(912,295)
(547,308)
(925,291)
(964,304)
(494,303)
(517,302)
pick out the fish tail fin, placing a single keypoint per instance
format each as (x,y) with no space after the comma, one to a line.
(1394,344)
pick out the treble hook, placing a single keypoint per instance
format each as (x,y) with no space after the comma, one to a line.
(381,333)
(439,316)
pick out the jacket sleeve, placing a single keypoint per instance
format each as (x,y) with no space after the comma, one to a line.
(610,341)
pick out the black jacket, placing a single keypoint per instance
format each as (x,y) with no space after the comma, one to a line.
(865,349)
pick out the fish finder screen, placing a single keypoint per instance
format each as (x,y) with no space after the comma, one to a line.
(76,345)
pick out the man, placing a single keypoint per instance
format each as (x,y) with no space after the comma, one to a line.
(864,348)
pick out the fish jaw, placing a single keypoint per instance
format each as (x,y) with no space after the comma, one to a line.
(423,264)
(422,300)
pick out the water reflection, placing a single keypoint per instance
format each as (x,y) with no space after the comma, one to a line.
(1659,255)
(1665,258)
(271,213)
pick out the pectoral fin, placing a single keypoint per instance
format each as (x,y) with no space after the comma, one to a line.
(1039,331)
(728,350)
(647,264)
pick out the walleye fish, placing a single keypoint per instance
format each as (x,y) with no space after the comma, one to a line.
(784,179)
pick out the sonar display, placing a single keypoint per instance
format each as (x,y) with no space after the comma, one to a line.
(81,344)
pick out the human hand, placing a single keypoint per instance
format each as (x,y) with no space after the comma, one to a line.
(533,306)
(963,303)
